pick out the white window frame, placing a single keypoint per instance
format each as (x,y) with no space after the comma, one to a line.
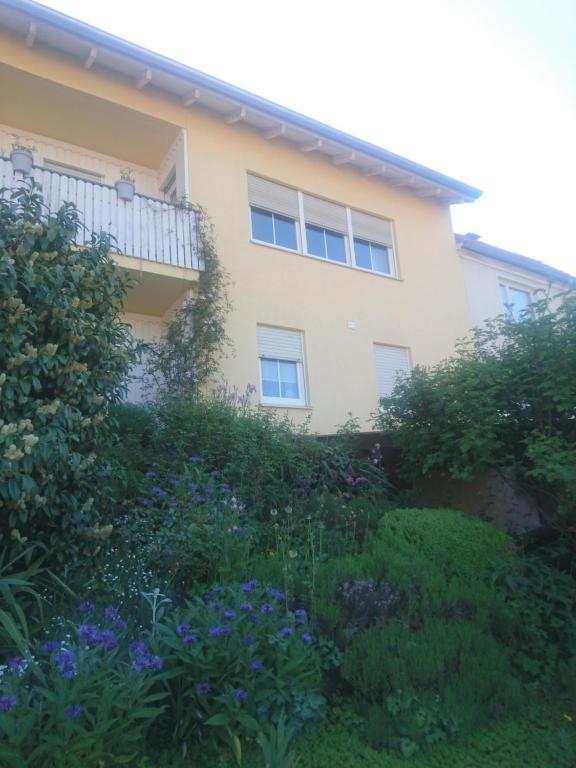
(344,237)
(371,243)
(285,402)
(273,214)
(508,307)
(348,234)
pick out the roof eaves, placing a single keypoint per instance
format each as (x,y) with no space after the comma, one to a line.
(515,259)
(94,35)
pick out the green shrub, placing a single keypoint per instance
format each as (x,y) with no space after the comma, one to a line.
(270,463)
(64,359)
(505,400)
(427,684)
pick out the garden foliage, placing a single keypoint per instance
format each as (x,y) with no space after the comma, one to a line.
(506,400)
(64,358)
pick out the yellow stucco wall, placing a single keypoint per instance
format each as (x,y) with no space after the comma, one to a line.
(425,310)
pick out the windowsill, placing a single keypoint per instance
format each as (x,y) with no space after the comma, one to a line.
(327,261)
(290,407)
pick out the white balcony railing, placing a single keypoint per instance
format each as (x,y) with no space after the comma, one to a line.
(144,227)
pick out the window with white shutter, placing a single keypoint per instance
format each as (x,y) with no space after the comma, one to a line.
(281,358)
(391,363)
(274,213)
(287,218)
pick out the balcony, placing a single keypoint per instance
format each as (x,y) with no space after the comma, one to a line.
(145,228)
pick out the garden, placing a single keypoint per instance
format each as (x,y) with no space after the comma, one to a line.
(196,582)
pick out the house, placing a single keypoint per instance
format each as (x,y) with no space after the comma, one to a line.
(501,282)
(342,255)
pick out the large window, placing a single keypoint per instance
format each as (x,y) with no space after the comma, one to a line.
(273,228)
(280,353)
(391,363)
(371,256)
(515,301)
(325,243)
(287,218)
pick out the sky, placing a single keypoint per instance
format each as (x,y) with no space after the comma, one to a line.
(481,90)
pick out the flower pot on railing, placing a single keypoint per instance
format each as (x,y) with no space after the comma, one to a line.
(22,160)
(125,185)
(125,190)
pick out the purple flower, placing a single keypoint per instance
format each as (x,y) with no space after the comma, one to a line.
(142,657)
(267,608)
(287,631)
(188,639)
(7,703)
(93,636)
(147,502)
(249,639)
(229,614)
(245,606)
(240,694)
(208,490)
(256,666)
(107,640)
(111,614)
(300,613)
(306,638)
(202,689)
(196,459)
(73,711)
(66,663)
(182,629)
(173,482)
(248,586)
(215,606)
(217,590)
(277,595)
(300,623)
(151,473)
(16,664)
(224,487)
(198,499)
(250,389)
(159,492)
(51,646)
(193,486)
(86,607)
(215,473)
(217,631)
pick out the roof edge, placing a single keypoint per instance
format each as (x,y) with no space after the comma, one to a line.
(95,35)
(515,259)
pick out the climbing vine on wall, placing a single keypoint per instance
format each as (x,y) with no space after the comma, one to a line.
(195,337)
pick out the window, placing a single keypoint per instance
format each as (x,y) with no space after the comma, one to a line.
(325,243)
(391,363)
(371,256)
(286,218)
(274,211)
(273,228)
(73,170)
(170,188)
(372,243)
(515,301)
(280,352)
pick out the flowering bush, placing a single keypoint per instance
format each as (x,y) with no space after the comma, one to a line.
(86,700)
(64,355)
(235,659)
(188,527)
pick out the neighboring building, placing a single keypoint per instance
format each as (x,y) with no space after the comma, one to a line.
(500,282)
(342,254)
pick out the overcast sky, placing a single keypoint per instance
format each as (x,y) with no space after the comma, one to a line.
(482,90)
